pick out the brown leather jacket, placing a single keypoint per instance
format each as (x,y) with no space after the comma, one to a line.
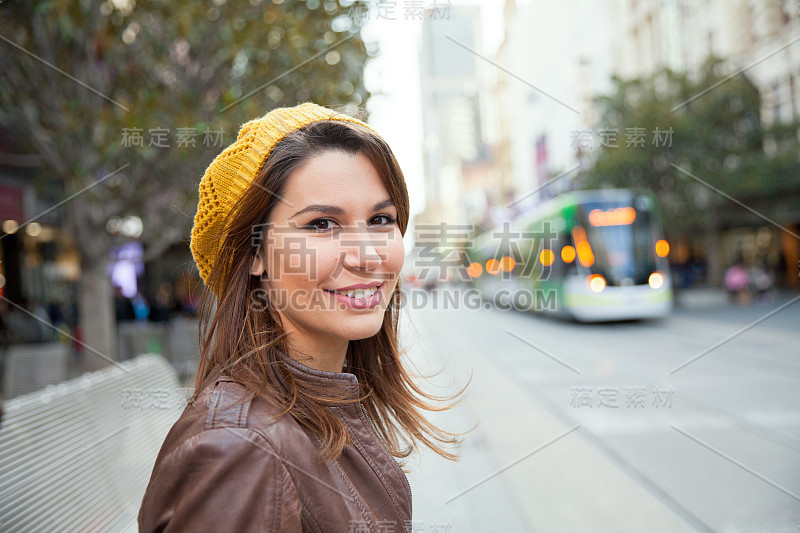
(228,467)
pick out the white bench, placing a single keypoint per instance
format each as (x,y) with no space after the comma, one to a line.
(31,367)
(77,456)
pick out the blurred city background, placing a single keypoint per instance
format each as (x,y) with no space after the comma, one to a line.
(605,237)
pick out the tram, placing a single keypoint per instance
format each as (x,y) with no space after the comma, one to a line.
(590,256)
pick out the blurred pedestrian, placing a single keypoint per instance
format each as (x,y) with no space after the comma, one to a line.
(763,280)
(737,283)
(160,305)
(22,327)
(5,341)
(123,306)
(55,312)
(41,326)
(141,307)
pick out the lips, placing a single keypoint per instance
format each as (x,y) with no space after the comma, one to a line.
(359,286)
(359,298)
(358,292)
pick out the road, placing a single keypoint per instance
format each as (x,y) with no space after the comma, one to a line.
(699,411)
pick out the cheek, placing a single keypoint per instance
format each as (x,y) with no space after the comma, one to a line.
(327,258)
(395,254)
(303,262)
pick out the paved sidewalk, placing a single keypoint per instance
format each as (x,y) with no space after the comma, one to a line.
(436,482)
(567,485)
(701,298)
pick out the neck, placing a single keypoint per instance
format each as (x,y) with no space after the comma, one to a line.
(320,354)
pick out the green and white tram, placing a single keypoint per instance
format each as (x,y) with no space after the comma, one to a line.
(589,255)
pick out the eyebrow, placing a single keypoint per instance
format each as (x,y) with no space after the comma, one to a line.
(336,210)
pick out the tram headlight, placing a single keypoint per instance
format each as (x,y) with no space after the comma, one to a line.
(596,282)
(568,254)
(507,263)
(546,257)
(656,280)
(475,270)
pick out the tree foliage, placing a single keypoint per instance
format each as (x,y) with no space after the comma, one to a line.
(82,78)
(717,136)
(129,66)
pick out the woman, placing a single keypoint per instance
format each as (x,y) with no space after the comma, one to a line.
(301,400)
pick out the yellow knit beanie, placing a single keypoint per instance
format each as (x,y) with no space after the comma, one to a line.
(232,171)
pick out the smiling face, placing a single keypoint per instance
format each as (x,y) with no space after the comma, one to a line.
(334,228)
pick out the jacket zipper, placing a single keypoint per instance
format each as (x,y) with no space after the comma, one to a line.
(372,429)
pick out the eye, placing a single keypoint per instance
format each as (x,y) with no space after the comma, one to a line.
(387,220)
(320,224)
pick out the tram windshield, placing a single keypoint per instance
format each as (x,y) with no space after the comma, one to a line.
(620,239)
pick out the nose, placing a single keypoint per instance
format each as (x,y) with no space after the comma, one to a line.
(361,250)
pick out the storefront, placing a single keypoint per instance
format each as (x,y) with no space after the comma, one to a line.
(39,262)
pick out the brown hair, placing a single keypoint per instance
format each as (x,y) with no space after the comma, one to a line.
(246,344)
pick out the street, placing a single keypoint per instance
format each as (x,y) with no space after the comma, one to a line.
(690,423)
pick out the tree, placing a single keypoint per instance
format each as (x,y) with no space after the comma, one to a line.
(696,140)
(81,79)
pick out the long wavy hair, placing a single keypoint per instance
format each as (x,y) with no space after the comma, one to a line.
(247,342)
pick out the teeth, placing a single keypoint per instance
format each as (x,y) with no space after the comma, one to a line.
(359,293)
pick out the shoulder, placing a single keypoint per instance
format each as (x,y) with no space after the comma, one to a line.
(216,447)
(222,479)
(225,409)
(225,403)
(228,404)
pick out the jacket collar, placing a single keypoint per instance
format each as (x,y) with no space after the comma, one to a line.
(337,383)
(341,384)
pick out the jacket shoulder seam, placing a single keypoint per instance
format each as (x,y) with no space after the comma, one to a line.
(228,406)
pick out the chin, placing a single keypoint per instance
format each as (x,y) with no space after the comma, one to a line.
(362,328)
